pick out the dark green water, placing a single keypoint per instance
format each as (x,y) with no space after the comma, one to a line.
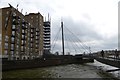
(64,71)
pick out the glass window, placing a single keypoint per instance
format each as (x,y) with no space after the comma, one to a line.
(6,38)
(22,31)
(14,14)
(13,32)
(12,48)
(12,45)
(7,12)
(22,36)
(6,18)
(13,26)
(16,52)
(12,52)
(6,52)
(22,41)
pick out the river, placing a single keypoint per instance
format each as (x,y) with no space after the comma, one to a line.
(62,71)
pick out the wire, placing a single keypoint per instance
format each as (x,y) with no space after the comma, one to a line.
(55,39)
(84,46)
(72,42)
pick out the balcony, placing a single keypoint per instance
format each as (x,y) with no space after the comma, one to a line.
(46,37)
(46,23)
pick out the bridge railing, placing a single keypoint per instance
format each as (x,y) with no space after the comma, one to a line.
(107,54)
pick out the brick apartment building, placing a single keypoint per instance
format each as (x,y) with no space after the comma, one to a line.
(22,36)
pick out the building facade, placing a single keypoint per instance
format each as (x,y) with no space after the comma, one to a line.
(21,36)
(36,19)
(47,37)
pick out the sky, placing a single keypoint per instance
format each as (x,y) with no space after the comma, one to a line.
(94,22)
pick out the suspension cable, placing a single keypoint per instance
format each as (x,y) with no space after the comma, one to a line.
(55,39)
(81,43)
(66,39)
(74,44)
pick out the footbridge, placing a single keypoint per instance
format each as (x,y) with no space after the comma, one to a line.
(115,62)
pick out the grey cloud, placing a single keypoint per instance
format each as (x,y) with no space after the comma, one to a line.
(81,29)
(85,32)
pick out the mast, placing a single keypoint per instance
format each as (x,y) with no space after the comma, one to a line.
(62,38)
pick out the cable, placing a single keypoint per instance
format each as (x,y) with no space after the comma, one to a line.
(74,43)
(86,47)
(55,39)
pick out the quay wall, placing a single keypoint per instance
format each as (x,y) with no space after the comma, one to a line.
(37,63)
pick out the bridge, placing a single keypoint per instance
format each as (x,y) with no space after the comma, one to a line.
(115,62)
(109,57)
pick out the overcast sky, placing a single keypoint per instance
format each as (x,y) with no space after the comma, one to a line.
(95,22)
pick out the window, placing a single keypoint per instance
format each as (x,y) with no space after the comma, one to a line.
(7,12)
(12,48)
(31,30)
(25,42)
(14,14)
(6,45)
(6,38)
(22,36)
(22,48)
(22,41)
(13,27)
(31,17)
(6,18)
(25,48)
(16,52)
(23,31)
(6,52)
(37,37)
(12,45)
(17,46)
(12,52)
(36,33)
(13,32)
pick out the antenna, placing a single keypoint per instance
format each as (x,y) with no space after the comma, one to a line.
(48,16)
(25,13)
(50,19)
(17,6)
(45,18)
(61,19)
(21,10)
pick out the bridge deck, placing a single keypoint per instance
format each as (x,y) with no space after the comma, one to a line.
(109,61)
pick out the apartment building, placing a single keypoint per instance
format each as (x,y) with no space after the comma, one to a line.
(21,35)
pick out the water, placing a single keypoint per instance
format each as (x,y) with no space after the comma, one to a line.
(63,71)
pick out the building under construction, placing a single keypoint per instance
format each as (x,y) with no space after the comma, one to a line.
(47,38)
(23,36)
